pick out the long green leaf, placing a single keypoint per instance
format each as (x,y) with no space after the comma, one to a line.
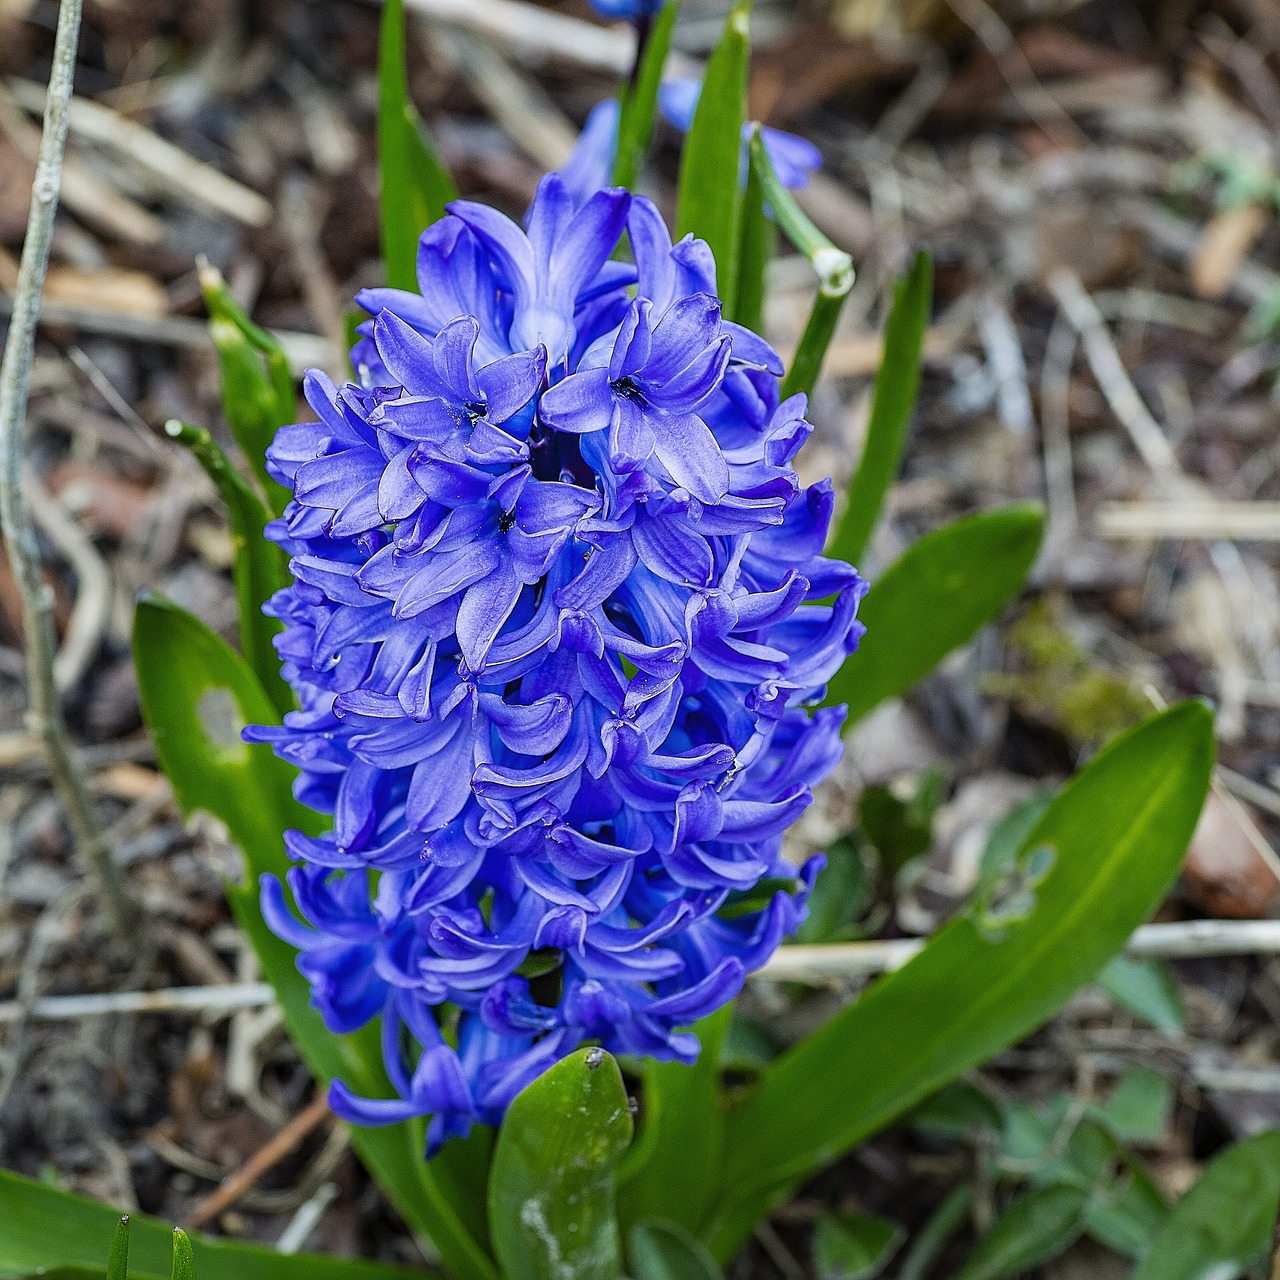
(260,567)
(682,1104)
(42,1227)
(1225,1221)
(416,186)
(833,266)
(258,394)
(1035,1228)
(759,243)
(1116,835)
(552,1212)
(710,198)
(197,694)
(118,1259)
(897,383)
(640,100)
(942,591)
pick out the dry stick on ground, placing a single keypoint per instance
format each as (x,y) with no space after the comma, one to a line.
(44,711)
(260,1163)
(1190,939)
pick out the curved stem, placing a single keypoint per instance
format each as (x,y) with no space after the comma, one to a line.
(44,711)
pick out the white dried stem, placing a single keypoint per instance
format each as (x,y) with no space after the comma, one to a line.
(44,711)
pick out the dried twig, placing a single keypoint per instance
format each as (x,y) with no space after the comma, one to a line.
(1184,940)
(180,176)
(1208,518)
(260,1163)
(304,350)
(538,31)
(92,611)
(520,105)
(44,712)
(823,963)
(220,998)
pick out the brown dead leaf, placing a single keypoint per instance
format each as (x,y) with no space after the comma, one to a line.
(1224,874)
(1224,244)
(127,781)
(110,289)
(1071,234)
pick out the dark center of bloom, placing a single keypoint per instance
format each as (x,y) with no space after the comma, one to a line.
(629,389)
(475,410)
(506,521)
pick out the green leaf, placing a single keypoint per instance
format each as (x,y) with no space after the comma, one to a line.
(943,1223)
(897,384)
(1139,1107)
(118,1259)
(416,186)
(1128,1216)
(659,1250)
(1007,838)
(640,101)
(1035,1228)
(1224,1222)
(710,197)
(260,568)
(1117,833)
(957,1111)
(901,830)
(197,695)
(942,591)
(258,393)
(184,1260)
(759,244)
(47,1228)
(853,1246)
(840,895)
(551,1189)
(1148,990)
(681,1134)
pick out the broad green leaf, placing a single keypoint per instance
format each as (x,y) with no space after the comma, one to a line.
(551,1189)
(416,186)
(197,694)
(710,197)
(658,1250)
(42,1227)
(853,1246)
(1035,1228)
(834,268)
(957,1111)
(1139,1107)
(258,393)
(118,1259)
(942,591)
(1224,1222)
(681,1134)
(1129,1212)
(1148,990)
(894,397)
(759,244)
(1007,837)
(1115,835)
(260,568)
(841,894)
(639,101)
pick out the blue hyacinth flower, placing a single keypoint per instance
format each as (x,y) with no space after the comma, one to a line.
(558,624)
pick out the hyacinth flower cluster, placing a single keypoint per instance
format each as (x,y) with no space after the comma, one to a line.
(559,617)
